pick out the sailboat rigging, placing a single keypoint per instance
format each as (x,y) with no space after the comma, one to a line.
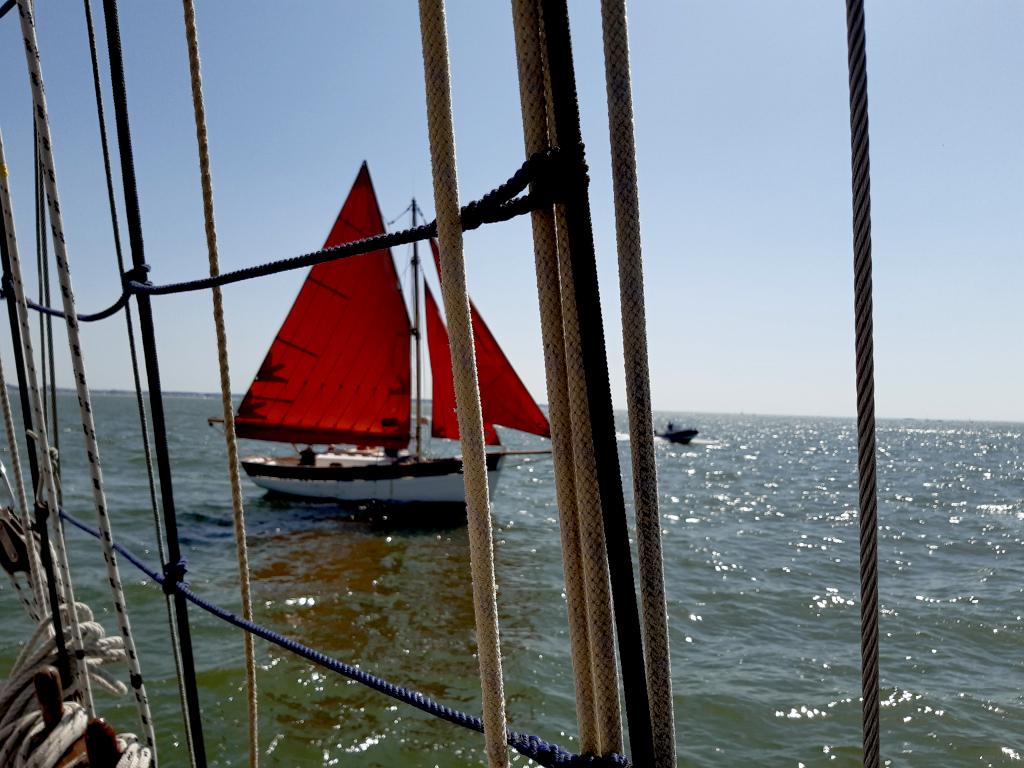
(338,373)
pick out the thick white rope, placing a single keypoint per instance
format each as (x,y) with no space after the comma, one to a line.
(535,130)
(35,567)
(192,38)
(19,718)
(467,392)
(47,484)
(78,367)
(64,734)
(638,384)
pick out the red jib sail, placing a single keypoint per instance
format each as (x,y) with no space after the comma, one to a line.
(503,396)
(338,370)
(443,421)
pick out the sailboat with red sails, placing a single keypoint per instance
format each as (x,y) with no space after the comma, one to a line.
(338,375)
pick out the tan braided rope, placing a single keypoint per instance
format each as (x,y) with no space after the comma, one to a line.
(529,55)
(78,367)
(594,553)
(437,79)
(638,383)
(40,443)
(592,537)
(237,508)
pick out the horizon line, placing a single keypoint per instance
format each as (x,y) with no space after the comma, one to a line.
(188,393)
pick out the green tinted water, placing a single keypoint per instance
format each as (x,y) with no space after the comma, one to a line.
(761,563)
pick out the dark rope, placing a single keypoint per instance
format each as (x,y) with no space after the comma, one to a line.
(183,638)
(6,7)
(868,494)
(580,238)
(536,749)
(116,231)
(47,362)
(544,170)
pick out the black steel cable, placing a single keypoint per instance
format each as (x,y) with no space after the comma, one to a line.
(148,334)
(868,493)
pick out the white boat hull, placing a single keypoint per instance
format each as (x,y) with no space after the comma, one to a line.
(367,478)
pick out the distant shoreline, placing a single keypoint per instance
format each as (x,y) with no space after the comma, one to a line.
(238,395)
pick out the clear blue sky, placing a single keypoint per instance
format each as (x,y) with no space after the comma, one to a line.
(741,111)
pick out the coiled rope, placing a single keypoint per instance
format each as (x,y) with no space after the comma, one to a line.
(638,382)
(78,366)
(865,364)
(437,77)
(238,512)
(18,715)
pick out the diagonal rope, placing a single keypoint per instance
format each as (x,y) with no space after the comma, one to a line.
(865,365)
(437,78)
(238,512)
(78,367)
(533,100)
(638,382)
(533,747)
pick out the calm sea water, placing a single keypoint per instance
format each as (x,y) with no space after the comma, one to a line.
(760,530)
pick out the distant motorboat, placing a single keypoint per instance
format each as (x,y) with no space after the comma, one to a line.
(674,435)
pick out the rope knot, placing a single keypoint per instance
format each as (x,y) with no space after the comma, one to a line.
(139,274)
(173,574)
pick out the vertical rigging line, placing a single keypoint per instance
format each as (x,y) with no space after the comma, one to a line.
(133,353)
(580,238)
(44,484)
(44,551)
(119,253)
(78,366)
(194,723)
(40,245)
(206,180)
(46,356)
(865,366)
(533,100)
(437,77)
(638,383)
(35,574)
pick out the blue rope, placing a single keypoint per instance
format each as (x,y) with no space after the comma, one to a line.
(533,747)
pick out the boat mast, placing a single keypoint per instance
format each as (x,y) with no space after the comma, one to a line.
(416,335)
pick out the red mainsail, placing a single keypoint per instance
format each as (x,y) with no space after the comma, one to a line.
(338,370)
(503,396)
